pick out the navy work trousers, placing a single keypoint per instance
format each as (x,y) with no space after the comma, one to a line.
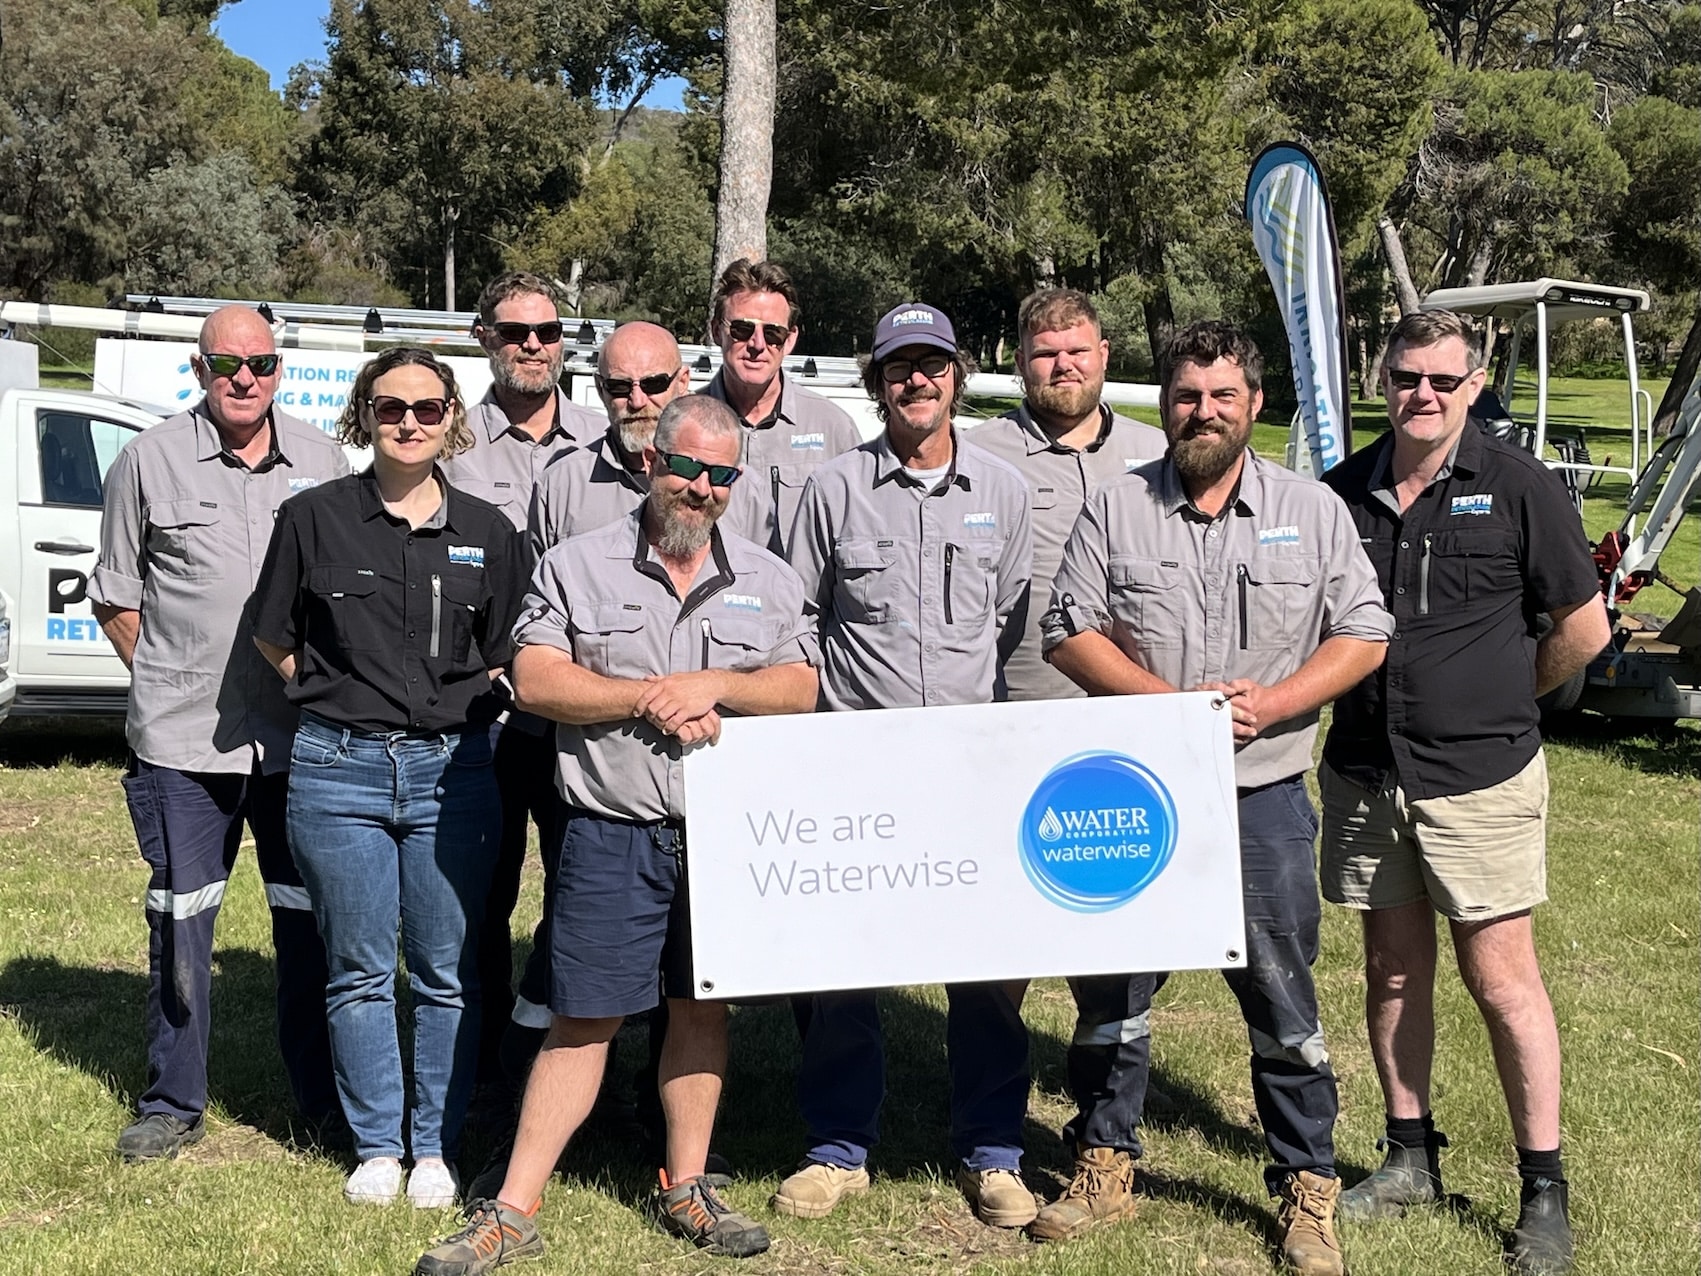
(189,827)
(1292,1083)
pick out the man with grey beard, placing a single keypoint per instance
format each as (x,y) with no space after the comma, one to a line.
(706,624)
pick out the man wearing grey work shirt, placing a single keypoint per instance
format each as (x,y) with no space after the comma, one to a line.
(914,549)
(521,429)
(189,506)
(789,431)
(1213,569)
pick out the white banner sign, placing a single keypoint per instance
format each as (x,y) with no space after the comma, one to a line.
(907,846)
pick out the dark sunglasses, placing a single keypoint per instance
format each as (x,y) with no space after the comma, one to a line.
(774,334)
(689,467)
(228,365)
(1440,382)
(621,387)
(932,366)
(515,334)
(390,410)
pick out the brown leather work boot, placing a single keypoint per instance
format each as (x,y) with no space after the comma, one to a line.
(1308,1225)
(1101,1192)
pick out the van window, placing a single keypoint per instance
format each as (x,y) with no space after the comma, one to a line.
(76,451)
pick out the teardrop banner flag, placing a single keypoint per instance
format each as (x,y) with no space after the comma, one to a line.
(1294,232)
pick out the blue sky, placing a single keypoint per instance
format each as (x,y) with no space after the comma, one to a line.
(279,33)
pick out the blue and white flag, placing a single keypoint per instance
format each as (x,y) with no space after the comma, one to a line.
(1294,232)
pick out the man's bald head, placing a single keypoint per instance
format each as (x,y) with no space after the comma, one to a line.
(635,354)
(239,397)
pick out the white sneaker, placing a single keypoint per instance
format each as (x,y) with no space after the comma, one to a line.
(374,1182)
(433,1185)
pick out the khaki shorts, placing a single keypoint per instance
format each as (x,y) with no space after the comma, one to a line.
(1475,856)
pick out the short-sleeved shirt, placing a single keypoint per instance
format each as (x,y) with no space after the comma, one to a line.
(802,433)
(1489,545)
(1251,593)
(912,582)
(182,539)
(1059,480)
(505,464)
(395,628)
(606,600)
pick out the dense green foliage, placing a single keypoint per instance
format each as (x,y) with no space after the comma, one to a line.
(962,152)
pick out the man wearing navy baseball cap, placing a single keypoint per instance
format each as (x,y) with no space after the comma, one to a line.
(914,549)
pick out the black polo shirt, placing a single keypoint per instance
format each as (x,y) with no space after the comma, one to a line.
(395,628)
(1490,544)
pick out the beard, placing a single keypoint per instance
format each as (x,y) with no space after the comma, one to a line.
(636,431)
(1068,400)
(685,523)
(925,394)
(1205,457)
(528,378)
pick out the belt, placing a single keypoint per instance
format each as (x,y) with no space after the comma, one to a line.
(359,733)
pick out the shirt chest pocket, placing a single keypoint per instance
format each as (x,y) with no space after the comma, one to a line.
(349,600)
(1146,600)
(1464,566)
(513,501)
(610,639)
(864,583)
(1277,603)
(735,642)
(1042,498)
(971,582)
(456,606)
(185,539)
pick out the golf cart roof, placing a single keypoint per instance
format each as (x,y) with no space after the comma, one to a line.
(1565,298)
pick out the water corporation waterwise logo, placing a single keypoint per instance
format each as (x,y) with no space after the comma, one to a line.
(1098,830)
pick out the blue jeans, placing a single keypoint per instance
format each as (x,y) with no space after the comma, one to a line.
(392,830)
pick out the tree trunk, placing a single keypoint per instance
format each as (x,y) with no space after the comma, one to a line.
(1682,377)
(450,215)
(574,292)
(1395,251)
(747,134)
(1482,257)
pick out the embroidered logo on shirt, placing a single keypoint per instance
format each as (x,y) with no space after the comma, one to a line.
(1481,503)
(302,484)
(742,602)
(471,555)
(814,442)
(1278,535)
(986,519)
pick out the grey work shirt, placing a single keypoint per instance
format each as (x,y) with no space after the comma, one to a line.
(803,432)
(182,540)
(505,464)
(1059,481)
(1249,594)
(606,600)
(912,585)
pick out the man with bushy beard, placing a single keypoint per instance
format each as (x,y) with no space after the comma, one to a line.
(637,637)
(1217,570)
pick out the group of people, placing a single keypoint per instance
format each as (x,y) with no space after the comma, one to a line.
(523,613)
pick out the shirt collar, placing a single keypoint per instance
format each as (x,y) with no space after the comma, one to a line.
(372,502)
(608,455)
(1248,494)
(496,422)
(646,563)
(1036,439)
(210,444)
(785,407)
(1465,456)
(887,467)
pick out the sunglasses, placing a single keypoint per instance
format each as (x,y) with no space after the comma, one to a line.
(390,410)
(228,365)
(932,366)
(621,387)
(515,334)
(1440,382)
(773,334)
(689,467)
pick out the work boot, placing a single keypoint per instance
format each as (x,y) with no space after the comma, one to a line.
(159,1135)
(1101,1192)
(1409,1176)
(694,1210)
(999,1198)
(495,1234)
(1308,1225)
(815,1188)
(1541,1242)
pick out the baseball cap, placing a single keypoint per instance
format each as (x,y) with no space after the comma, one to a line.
(913,323)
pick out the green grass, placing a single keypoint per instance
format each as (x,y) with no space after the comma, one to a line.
(1619,940)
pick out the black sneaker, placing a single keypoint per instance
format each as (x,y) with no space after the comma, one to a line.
(159,1134)
(1409,1176)
(494,1235)
(1540,1244)
(488,1184)
(694,1210)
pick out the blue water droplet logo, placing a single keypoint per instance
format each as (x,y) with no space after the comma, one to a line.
(1098,830)
(184,394)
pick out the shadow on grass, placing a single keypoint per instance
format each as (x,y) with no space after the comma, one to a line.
(41,743)
(1651,746)
(92,1019)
